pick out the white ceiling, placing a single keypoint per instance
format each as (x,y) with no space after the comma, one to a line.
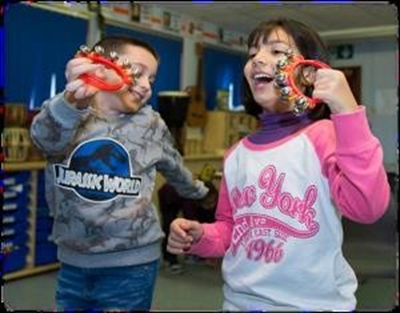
(332,21)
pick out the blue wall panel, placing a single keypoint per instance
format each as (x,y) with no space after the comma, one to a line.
(222,68)
(39,43)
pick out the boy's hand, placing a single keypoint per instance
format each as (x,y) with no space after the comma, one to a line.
(331,87)
(77,92)
(183,233)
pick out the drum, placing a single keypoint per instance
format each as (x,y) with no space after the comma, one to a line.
(173,107)
(16,144)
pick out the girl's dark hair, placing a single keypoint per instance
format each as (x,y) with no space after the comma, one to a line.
(117,43)
(310,45)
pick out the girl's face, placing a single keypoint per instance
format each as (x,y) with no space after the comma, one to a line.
(261,66)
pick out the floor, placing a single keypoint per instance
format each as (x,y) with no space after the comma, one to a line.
(198,288)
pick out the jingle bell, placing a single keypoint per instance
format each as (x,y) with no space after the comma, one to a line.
(301,101)
(126,64)
(298,110)
(289,53)
(84,49)
(300,105)
(114,56)
(282,63)
(99,49)
(285,92)
(280,80)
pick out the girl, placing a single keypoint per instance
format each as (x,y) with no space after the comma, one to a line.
(285,187)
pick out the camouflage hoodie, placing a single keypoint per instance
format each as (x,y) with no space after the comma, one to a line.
(100,177)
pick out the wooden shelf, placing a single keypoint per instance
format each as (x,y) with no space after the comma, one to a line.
(31,271)
(23,166)
(204,157)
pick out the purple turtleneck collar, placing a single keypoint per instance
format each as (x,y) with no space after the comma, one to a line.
(275,126)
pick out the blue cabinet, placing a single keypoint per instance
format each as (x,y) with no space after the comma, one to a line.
(26,246)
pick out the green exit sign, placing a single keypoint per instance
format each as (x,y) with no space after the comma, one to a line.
(344,51)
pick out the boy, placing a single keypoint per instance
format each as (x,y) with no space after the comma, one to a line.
(103,151)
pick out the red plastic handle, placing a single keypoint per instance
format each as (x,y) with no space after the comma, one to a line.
(102,84)
(296,63)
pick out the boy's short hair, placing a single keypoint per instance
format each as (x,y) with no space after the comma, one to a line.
(117,43)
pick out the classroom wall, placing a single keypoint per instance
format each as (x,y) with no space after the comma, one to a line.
(379,65)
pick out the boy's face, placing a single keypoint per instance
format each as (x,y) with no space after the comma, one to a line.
(135,96)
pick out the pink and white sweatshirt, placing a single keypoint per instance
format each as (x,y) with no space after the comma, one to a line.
(278,221)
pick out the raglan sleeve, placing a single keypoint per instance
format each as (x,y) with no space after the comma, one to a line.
(216,238)
(54,127)
(352,160)
(172,167)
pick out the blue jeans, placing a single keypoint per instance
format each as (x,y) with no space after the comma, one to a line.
(120,288)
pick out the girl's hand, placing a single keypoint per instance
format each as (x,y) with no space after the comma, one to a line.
(331,87)
(183,233)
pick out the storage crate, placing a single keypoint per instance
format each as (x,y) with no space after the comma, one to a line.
(11,179)
(11,217)
(193,140)
(14,229)
(20,239)
(224,128)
